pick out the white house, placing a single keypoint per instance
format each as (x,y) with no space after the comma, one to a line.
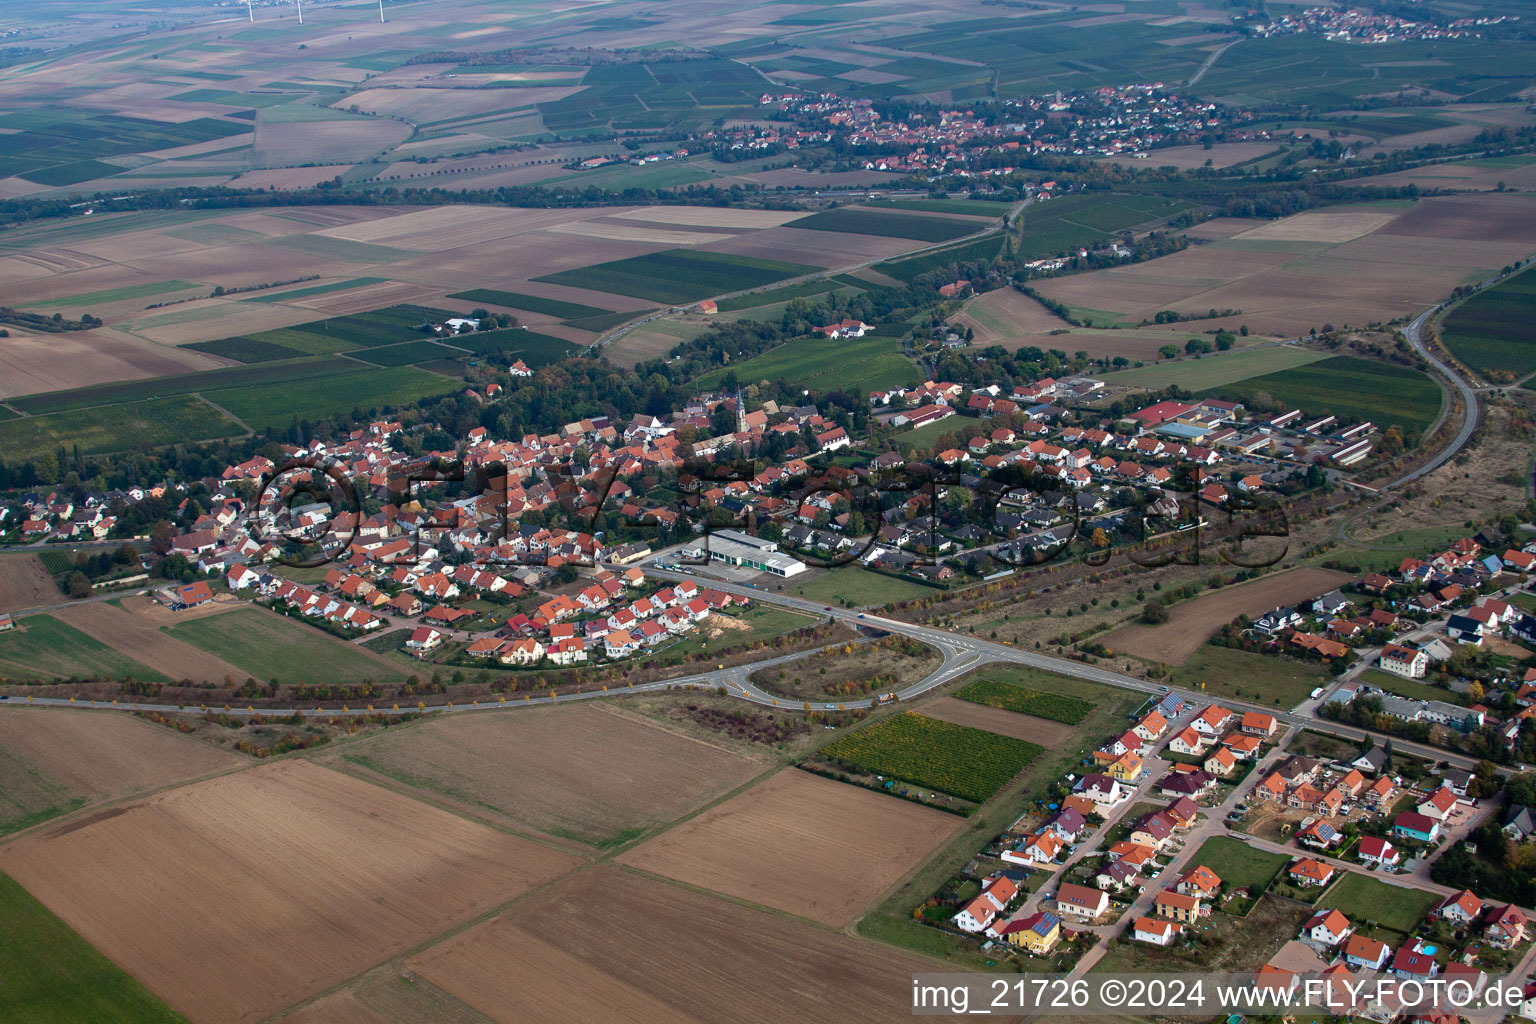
(1327,928)
(1404,661)
(1157,932)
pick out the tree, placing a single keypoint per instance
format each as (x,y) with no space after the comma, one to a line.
(160,537)
(1225,339)
(77,586)
(1168,351)
(1154,613)
(1197,346)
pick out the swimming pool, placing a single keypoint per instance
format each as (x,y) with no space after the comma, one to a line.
(1428,950)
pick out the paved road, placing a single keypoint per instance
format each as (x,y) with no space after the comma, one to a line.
(960,653)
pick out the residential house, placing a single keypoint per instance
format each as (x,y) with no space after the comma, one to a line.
(1212,720)
(1176,906)
(1081,902)
(1189,742)
(1258,723)
(1309,873)
(1378,851)
(1413,962)
(1038,933)
(1520,821)
(1404,661)
(1504,926)
(1366,953)
(1156,932)
(1459,909)
(1439,805)
(1220,761)
(1101,789)
(1201,882)
(1410,825)
(1327,928)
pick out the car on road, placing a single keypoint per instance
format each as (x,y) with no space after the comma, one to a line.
(830,707)
(827,607)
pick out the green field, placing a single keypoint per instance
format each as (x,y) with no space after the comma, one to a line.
(270,646)
(927,435)
(42,647)
(85,300)
(982,250)
(1270,679)
(956,759)
(1364,899)
(1212,371)
(1354,390)
(367,391)
(1067,222)
(678,275)
(322,337)
(406,354)
(1238,864)
(605,321)
(856,221)
(314,289)
(28,796)
(182,384)
(1412,688)
(858,365)
(1057,707)
(853,586)
(116,428)
(803,290)
(50,975)
(531,303)
(1492,329)
(965,207)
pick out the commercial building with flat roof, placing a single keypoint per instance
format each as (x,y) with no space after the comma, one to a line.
(745,551)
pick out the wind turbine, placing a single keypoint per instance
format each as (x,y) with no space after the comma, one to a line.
(301,10)
(252,14)
(381,12)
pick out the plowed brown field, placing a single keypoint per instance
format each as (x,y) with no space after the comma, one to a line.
(241,895)
(800,843)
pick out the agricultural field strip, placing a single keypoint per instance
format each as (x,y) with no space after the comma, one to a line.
(968,763)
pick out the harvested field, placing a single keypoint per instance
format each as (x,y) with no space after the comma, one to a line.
(822,248)
(639,233)
(666,955)
(426,105)
(1293,276)
(710,217)
(99,755)
(30,363)
(579,772)
(25,583)
(1041,731)
(139,637)
(450,227)
(1003,315)
(800,843)
(1192,623)
(301,879)
(1186,158)
(387,996)
(1493,218)
(1323,226)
